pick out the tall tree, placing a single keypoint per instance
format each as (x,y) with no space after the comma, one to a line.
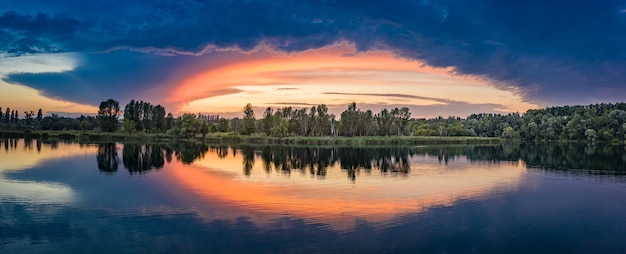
(39,115)
(28,115)
(108,115)
(248,120)
(7,115)
(158,118)
(130,116)
(169,121)
(268,121)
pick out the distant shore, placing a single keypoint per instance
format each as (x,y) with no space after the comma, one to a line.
(233,138)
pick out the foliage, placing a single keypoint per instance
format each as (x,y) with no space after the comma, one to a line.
(108,115)
(596,123)
(249,121)
(188,126)
(147,118)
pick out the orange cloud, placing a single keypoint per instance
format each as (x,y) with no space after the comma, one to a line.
(261,78)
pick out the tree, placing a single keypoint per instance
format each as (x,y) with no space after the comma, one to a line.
(223,125)
(267,121)
(131,115)
(39,115)
(129,126)
(591,135)
(108,115)
(509,133)
(348,121)
(29,117)
(158,118)
(169,121)
(248,120)
(188,126)
(385,121)
(7,116)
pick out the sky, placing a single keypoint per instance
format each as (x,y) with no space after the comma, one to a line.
(439,58)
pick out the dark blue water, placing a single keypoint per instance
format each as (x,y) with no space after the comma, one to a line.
(173,198)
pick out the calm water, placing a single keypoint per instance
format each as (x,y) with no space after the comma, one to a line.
(177,198)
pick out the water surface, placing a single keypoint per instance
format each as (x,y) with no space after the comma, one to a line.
(163,198)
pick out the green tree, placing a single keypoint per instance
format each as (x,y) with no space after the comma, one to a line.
(188,126)
(108,114)
(591,135)
(223,125)
(158,118)
(268,121)
(7,115)
(39,115)
(129,126)
(28,116)
(323,120)
(509,133)
(249,120)
(169,121)
(349,120)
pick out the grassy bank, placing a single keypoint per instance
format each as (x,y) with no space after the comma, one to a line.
(231,138)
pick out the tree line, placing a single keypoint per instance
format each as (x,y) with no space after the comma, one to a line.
(10,120)
(603,122)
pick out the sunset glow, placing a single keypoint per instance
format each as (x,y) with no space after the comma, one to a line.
(335,76)
(456,59)
(335,200)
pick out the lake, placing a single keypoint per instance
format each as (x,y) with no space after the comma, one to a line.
(193,198)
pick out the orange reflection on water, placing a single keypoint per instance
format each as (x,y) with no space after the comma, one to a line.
(335,200)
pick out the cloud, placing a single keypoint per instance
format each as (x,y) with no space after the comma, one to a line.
(550,52)
(460,109)
(121,75)
(405,96)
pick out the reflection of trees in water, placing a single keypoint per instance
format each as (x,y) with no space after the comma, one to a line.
(393,160)
(12,144)
(144,157)
(141,158)
(248,159)
(284,160)
(188,152)
(316,160)
(28,143)
(107,158)
(587,158)
(573,157)
(221,151)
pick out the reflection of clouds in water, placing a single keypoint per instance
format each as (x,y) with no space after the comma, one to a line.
(20,154)
(38,192)
(336,201)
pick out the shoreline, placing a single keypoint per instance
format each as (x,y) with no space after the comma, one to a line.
(231,138)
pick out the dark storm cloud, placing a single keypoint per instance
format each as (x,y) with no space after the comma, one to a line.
(122,75)
(552,52)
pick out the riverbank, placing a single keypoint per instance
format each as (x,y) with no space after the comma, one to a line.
(233,138)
